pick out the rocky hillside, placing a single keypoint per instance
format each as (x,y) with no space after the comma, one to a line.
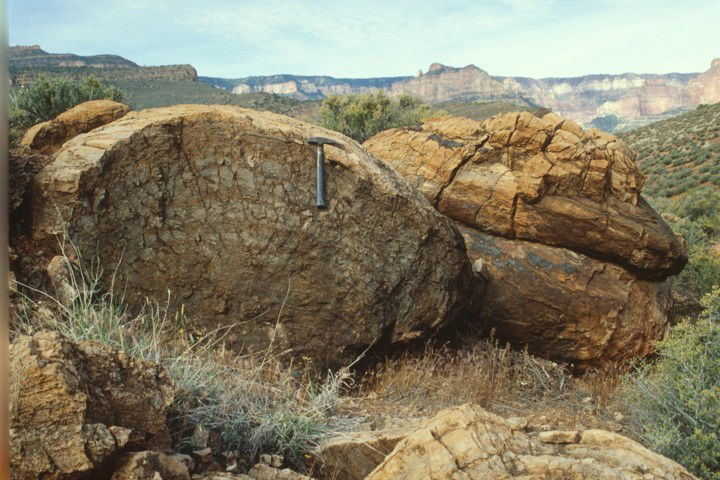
(630,97)
(680,153)
(26,63)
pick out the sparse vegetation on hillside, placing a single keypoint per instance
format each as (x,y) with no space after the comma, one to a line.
(160,93)
(676,400)
(680,153)
(696,216)
(360,116)
(48,97)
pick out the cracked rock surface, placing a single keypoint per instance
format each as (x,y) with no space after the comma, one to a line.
(74,406)
(539,179)
(552,216)
(469,443)
(216,204)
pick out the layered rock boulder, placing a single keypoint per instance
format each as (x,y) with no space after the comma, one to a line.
(75,406)
(48,137)
(554,217)
(216,204)
(538,179)
(469,443)
(562,304)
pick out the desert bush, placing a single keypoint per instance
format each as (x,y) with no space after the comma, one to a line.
(46,98)
(258,403)
(676,400)
(360,116)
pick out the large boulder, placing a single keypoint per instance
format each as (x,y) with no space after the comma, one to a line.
(75,406)
(565,305)
(538,179)
(216,204)
(469,443)
(553,217)
(48,137)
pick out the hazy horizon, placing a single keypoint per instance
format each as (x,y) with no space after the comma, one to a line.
(528,38)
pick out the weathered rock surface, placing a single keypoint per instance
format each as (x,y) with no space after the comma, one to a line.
(538,179)
(566,306)
(353,456)
(216,205)
(469,443)
(149,465)
(48,137)
(553,217)
(74,406)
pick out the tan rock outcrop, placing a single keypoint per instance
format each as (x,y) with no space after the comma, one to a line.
(567,306)
(469,443)
(553,216)
(149,465)
(353,456)
(74,406)
(538,179)
(217,205)
(48,137)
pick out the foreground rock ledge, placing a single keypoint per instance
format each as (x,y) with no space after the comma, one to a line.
(469,443)
(539,179)
(216,205)
(75,406)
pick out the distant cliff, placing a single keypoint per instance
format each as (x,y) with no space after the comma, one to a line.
(630,97)
(26,63)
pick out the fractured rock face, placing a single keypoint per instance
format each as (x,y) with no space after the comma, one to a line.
(553,216)
(74,406)
(48,137)
(353,456)
(468,443)
(216,205)
(538,179)
(567,306)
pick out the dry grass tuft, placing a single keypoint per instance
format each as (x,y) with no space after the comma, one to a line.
(506,381)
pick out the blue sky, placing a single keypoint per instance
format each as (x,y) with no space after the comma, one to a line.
(537,38)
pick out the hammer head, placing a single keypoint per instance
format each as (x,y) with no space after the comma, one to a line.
(320,141)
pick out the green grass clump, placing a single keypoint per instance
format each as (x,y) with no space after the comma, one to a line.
(676,400)
(696,216)
(258,403)
(360,116)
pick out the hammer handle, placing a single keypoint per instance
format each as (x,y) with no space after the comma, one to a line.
(320,178)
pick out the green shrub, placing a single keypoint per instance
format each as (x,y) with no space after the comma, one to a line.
(360,116)
(676,400)
(46,98)
(607,123)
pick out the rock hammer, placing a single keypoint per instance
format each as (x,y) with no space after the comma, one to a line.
(320,168)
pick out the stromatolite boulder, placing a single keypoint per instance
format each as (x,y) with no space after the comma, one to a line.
(468,443)
(565,305)
(554,218)
(48,137)
(75,406)
(216,204)
(538,179)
